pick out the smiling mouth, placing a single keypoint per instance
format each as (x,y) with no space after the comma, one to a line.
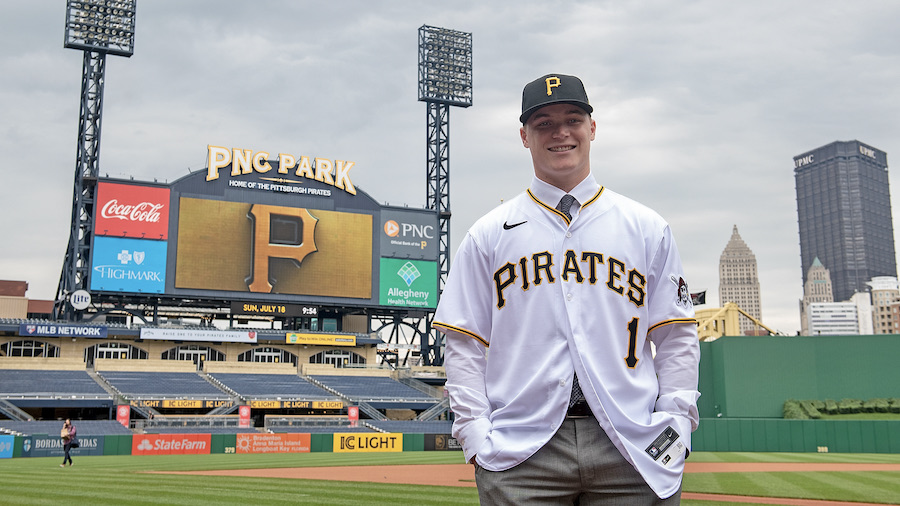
(559,149)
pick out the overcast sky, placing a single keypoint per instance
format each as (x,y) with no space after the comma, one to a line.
(700,108)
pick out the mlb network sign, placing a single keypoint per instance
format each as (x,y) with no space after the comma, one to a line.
(26,329)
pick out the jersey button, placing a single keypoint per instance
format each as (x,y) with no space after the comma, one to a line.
(569,296)
(569,235)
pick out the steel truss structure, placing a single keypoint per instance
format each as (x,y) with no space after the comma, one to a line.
(97,28)
(445,79)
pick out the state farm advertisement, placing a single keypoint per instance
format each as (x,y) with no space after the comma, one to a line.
(170,444)
(125,210)
(273,443)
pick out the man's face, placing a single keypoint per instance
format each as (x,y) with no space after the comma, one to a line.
(559,137)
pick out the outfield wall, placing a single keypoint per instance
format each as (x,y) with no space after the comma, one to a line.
(44,445)
(714,435)
(779,435)
(752,376)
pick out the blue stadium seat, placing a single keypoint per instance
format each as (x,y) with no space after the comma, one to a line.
(269,386)
(41,383)
(162,384)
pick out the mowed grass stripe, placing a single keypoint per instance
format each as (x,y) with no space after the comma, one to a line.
(873,486)
(121,480)
(775,457)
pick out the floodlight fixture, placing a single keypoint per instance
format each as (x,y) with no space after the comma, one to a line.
(445,66)
(102,26)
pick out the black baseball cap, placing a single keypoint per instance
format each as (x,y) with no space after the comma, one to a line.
(553,89)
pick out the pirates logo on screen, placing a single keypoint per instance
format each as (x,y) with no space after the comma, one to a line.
(273,249)
(279,232)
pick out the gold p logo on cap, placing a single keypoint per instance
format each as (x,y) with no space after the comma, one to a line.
(552,82)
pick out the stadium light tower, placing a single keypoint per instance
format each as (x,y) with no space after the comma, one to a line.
(445,79)
(98,28)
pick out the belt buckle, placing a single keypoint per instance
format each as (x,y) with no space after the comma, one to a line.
(579,410)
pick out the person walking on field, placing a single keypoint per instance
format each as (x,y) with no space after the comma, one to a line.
(68,434)
(572,355)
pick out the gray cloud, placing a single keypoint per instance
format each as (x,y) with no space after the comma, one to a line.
(700,107)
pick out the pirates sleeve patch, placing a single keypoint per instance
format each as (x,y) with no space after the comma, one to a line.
(683,295)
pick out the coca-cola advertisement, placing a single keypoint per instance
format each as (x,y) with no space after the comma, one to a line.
(125,210)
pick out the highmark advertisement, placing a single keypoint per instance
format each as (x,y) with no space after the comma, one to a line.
(410,283)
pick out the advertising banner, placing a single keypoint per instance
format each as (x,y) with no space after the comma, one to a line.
(256,404)
(366,442)
(123,415)
(321,339)
(6,446)
(241,247)
(409,283)
(95,331)
(126,210)
(353,415)
(244,413)
(224,336)
(166,403)
(441,442)
(406,234)
(128,265)
(52,446)
(170,444)
(273,443)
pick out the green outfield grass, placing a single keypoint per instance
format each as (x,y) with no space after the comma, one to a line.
(121,480)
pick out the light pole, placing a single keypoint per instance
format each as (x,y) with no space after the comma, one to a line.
(98,28)
(445,79)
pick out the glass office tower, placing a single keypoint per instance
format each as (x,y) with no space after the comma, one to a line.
(844,214)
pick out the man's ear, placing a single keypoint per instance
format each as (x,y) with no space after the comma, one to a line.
(524,137)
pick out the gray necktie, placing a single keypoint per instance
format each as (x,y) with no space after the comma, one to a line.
(565,204)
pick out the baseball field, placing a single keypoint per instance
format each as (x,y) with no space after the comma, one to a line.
(405,478)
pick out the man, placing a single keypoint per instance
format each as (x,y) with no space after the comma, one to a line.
(550,310)
(68,433)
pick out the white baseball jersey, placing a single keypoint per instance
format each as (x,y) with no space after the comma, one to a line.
(533,298)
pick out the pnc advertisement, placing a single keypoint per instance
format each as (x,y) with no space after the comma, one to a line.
(244,247)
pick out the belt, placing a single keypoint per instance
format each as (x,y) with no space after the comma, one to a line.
(579,410)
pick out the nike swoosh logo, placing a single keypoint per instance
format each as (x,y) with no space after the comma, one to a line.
(507,226)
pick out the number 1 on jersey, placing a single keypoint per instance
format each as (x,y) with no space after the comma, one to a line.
(631,360)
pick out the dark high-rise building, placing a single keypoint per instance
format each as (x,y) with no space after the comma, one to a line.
(844,214)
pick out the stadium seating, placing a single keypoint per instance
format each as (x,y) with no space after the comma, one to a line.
(270,386)
(199,430)
(412,426)
(373,388)
(157,385)
(52,427)
(54,384)
(323,429)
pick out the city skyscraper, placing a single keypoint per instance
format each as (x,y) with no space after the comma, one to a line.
(739,280)
(844,214)
(817,289)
